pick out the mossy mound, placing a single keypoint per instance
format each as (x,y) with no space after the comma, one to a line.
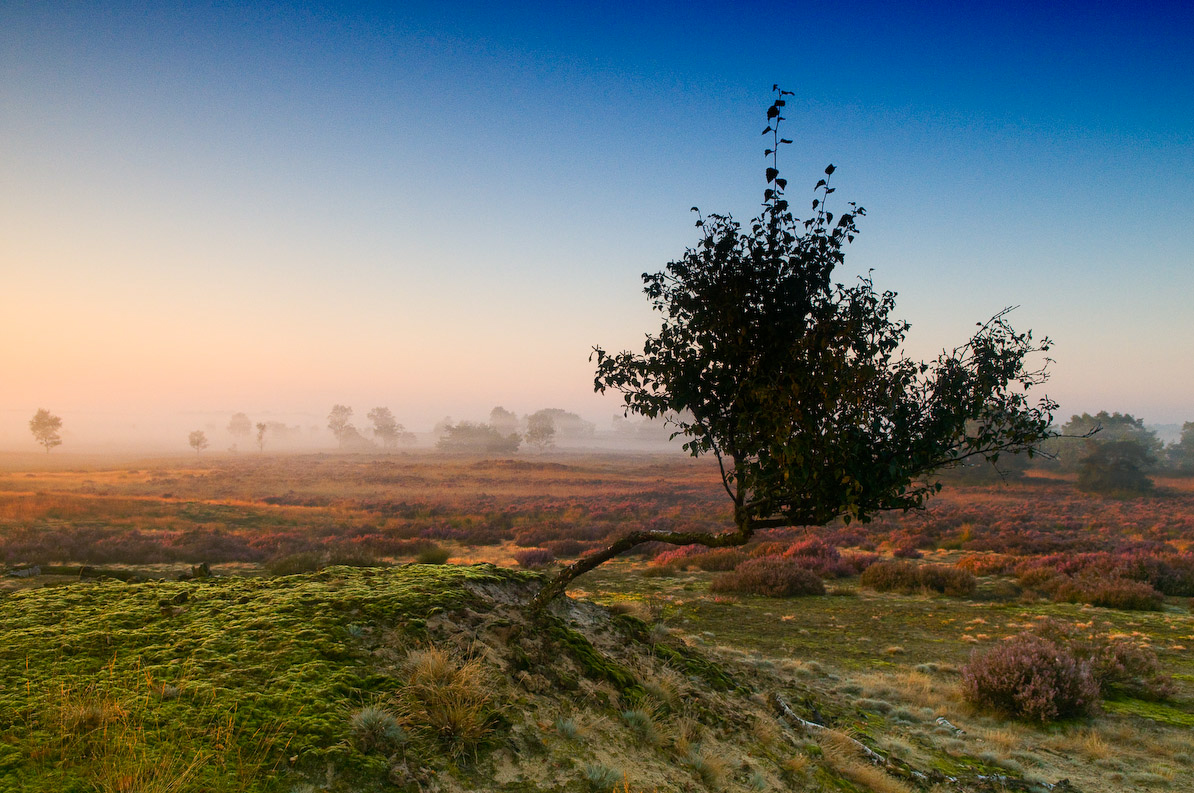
(224,683)
(416,678)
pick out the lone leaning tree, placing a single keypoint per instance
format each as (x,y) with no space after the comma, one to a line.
(798,385)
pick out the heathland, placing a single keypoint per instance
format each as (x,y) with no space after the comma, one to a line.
(363,628)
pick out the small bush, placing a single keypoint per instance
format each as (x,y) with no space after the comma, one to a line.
(676,557)
(433,554)
(1113,593)
(566,547)
(820,557)
(1119,665)
(770,576)
(1031,677)
(295,563)
(908,578)
(600,777)
(988,563)
(375,729)
(534,558)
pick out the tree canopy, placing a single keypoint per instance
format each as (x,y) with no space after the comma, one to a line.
(45,425)
(798,385)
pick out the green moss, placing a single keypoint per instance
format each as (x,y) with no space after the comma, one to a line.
(242,675)
(1162,712)
(692,664)
(594,665)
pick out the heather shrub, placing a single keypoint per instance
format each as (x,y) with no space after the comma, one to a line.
(769,548)
(1030,677)
(981,564)
(718,560)
(909,578)
(770,576)
(1042,579)
(821,558)
(907,552)
(1118,664)
(948,580)
(535,536)
(1112,593)
(566,547)
(860,561)
(432,554)
(672,556)
(534,558)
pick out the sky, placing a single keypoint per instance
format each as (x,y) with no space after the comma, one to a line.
(442,207)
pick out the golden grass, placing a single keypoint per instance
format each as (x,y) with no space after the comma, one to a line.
(870,777)
(448,697)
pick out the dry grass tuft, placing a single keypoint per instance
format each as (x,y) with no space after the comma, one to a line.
(1088,742)
(870,777)
(447,697)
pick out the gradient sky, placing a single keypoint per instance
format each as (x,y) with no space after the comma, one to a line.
(440,207)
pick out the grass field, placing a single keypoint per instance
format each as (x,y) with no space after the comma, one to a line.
(251,681)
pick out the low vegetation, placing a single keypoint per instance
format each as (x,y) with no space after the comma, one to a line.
(327,662)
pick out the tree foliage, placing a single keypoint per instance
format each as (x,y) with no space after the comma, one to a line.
(239,426)
(1116,468)
(1082,435)
(387,428)
(198,440)
(541,430)
(339,422)
(469,437)
(798,386)
(1181,454)
(45,425)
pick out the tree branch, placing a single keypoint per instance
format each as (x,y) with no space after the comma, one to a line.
(556,586)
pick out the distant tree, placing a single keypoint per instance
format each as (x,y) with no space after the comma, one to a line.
(45,425)
(1181,454)
(797,385)
(198,440)
(239,426)
(441,427)
(1116,468)
(567,425)
(541,431)
(469,437)
(387,429)
(503,420)
(1083,433)
(338,422)
(261,428)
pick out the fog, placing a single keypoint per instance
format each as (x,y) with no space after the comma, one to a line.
(90,431)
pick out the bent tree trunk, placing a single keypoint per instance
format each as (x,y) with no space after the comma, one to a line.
(558,583)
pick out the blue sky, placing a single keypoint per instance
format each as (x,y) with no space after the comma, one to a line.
(442,207)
